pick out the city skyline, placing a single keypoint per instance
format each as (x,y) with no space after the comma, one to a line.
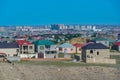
(33,12)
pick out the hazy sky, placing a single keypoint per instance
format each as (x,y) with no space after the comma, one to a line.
(31,12)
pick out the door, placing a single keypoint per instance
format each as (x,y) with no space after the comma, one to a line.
(40,55)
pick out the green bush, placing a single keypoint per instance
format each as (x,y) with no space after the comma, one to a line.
(72,55)
(61,55)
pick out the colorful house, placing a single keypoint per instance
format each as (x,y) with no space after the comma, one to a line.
(9,48)
(45,49)
(78,47)
(27,49)
(102,40)
(67,48)
(96,53)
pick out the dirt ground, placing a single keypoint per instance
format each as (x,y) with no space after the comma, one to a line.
(44,72)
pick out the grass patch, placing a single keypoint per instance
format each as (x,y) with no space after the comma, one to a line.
(117,57)
(71,63)
(72,55)
(64,63)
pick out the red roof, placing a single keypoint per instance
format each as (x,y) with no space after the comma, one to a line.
(78,45)
(117,43)
(23,42)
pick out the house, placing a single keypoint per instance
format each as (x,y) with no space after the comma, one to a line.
(116,46)
(101,40)
(45,49)
(111,42)
(78,47)
(67,48)
(96,53)
(27,49)
(9,48)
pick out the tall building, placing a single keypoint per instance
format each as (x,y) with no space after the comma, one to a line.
(94,28)
(55,27)
(62,27)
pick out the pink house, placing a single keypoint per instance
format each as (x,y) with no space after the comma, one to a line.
(67,48)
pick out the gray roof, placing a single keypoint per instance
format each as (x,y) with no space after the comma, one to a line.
(95,46)
(9,45)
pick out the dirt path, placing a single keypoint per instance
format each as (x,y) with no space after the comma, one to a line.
(38,72)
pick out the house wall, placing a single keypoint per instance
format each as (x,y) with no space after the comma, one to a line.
(79,50)
(28,49)
(42,48)
(9,51)
(103,53)
(103,42)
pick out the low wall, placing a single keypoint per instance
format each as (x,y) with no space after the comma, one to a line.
(50,55)
(28,55)
(104,61)
(67,56)
(14,58)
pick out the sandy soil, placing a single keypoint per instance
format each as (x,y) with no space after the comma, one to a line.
(44,72)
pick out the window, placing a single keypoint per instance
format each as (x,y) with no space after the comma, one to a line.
(17,50)
(79,49)
(97,53)
(30,47)
(60,49)
(47,46)
(65,49)
(71,49)
(41,47)
(91,51)
(25,47)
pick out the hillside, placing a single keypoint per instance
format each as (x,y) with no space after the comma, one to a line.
(78,40)
(23,71)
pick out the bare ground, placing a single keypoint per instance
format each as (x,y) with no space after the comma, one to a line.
(51,72)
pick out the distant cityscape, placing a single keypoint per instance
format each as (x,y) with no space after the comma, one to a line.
(58,29)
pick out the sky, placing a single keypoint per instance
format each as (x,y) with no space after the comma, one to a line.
(39,12)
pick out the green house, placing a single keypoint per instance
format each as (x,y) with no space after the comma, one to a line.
(101,40)
(45,49)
